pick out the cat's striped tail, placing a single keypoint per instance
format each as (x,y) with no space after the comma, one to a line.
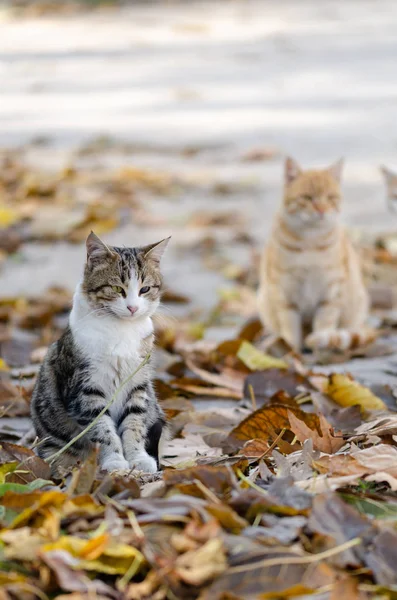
(340,339)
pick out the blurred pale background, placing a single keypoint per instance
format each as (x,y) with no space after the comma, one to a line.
(198,90)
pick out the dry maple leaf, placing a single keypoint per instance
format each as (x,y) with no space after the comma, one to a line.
(326,442)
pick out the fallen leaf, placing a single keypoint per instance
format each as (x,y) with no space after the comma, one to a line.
(256,360)
(267,422)
(202,565)
(341,464)
(111,557)
(231,380)
(336,519)
(378,458)
(30,466)
(345,391)
(266,383)
(325,442)
(71,579)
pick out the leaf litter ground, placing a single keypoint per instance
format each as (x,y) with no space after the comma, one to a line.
(280,479)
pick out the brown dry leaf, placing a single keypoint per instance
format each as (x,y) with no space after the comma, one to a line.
(266,422)
(254,448)
(378,458)
(345,391)
(200,566)
(13,400)
(266,383)
(30,466)
(231,379)
(325,442)
(339,465)
(197,388)
(218,480)
(384,425)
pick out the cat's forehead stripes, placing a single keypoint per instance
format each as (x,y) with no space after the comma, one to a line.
(314,183)
(129,263)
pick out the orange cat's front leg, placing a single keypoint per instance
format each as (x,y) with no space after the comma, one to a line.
(327,316)
(326,320)
(290,325)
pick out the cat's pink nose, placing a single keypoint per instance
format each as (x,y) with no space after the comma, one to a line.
(132,309)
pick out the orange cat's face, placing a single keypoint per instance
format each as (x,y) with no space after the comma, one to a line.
(391,186)
(311,197)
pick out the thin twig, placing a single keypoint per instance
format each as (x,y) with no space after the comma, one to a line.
(129,574)
(253,399)
(296,560)
(252,484)
(208,493)
(56,455)
(274,444)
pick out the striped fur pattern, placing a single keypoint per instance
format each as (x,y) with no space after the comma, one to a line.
(311,287)
(110,332)
(391,188)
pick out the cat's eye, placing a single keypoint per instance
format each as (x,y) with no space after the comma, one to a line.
(144,290)
(118,289)
(307,198)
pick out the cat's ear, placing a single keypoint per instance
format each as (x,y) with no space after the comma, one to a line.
(389,175)
(336,169)
(291,170)
(97,249)
(156,251)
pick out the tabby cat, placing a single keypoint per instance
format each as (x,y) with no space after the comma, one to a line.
(109,334)
(391,187)
(310,275)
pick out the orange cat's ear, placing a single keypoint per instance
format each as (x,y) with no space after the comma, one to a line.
(336,169)
(389,175)
(291,170)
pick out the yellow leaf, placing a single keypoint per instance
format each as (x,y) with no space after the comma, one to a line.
(7,469)
(95,547)
(110,557)
(347,392)
(31,503)
(3,365)
(8,216)
(256,360)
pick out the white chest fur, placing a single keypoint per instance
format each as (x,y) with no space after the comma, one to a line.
(113,346)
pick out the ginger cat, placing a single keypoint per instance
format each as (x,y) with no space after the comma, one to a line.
(310,274)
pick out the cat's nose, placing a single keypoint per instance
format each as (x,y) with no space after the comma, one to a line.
(132,309)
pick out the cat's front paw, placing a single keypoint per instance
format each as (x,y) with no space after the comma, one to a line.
(143,462)
(115,464)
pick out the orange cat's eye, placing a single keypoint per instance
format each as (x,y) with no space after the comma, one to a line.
(307,198)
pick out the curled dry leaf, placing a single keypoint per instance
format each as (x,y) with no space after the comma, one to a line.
(378,458)
(345,391)
(325,442)
(200,566)
(256,360)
